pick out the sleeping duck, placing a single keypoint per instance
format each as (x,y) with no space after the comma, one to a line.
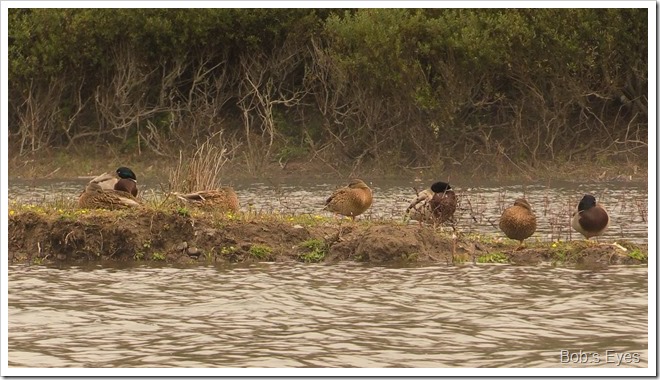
(518,222)
(223,199)
(590,219)
(95,197)
(123,180)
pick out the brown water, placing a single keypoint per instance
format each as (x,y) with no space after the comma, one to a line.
(480,206)
(346,315)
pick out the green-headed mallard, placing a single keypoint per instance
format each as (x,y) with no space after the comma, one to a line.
(351,200)
(223,199)
(420,208)
(443,202)
(590,219)
(96,197)
(518,222)
(123,180)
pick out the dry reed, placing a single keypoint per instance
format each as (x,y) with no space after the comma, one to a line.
(203,170)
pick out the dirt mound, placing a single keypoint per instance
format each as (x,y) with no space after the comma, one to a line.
(387,243)
(175,237)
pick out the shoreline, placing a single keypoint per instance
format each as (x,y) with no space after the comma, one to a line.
(177,236)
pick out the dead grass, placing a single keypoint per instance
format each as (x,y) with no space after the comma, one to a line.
(203,170)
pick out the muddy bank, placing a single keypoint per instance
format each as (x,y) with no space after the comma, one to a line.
(177,237)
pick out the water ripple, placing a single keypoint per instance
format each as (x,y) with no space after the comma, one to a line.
(347,315)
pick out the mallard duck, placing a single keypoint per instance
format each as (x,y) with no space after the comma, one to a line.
(590,219)
(518,222)
(96,197)
(420,208)
(443,202)
(351,200)
(223,199)
(123,180)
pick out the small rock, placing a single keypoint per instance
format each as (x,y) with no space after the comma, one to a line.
(182,246)
(298,226)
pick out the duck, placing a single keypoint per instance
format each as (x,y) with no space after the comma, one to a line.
(351,200)
(96,197)
(443,202)
(590,219)
(223,199)
(123,179)
(420,208)
(518,222)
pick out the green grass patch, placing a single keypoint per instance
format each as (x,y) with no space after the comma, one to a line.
(158,256)
(564,252)
(183,211)
(260,251)
(493,258)
(316,251)
(639,255)
(228,250)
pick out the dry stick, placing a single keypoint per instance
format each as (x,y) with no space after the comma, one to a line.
(470,210)
(516,165)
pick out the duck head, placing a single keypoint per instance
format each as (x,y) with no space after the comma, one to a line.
(357,184)
(126,173)
(523,203)
(587,202)
(440,187)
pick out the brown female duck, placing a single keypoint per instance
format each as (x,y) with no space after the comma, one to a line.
(518,222)
(351,200)
(223,199)
(95,197)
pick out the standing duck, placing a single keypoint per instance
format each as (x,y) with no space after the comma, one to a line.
(351,200)
(123,180)
(518,222)
(95,197)
(443,202)
(590,219)
(223,199)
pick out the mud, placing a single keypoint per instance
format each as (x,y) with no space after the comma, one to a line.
(172,237)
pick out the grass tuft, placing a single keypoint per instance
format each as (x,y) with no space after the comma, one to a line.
(316,251)
(493,258)
(260,251)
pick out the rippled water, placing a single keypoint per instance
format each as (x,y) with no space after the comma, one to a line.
(479,209)
(346,315)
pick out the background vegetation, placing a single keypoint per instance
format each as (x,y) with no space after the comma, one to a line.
(396,88)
